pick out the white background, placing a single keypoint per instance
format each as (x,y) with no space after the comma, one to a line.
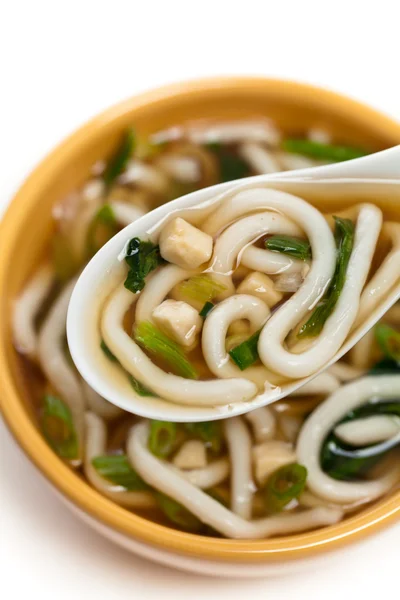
(62,62)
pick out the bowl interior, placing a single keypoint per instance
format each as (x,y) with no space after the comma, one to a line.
(27,227)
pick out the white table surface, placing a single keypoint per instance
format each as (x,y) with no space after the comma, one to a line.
(62,62)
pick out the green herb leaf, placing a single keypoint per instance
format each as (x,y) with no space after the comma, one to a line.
(162,438)
(291,246)
(108,352)
(209,432)
(207,308)
(178,514)
(246,354)
(118,162)
(141,258)
(139,387)
(344,235)
(231,165)
(389,341)
(117,469)
(202,288)
(385,367)
(284,485)
(58,427)
(344,462)
(330,152)
(101,229)
(153,340)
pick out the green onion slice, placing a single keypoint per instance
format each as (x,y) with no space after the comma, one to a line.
(246,354)
(385,367)
(345,462)
(330,152)
(139,387)
(156,342)
(162,438)
(389,341)
(108,352)
(101,229)
(207,308)
(202,288)
(284,485)
(209,432)
(231,165)
(118,162)
(117,469)
(142,257)
(291,246)
(58,427)
(178,514)
(344,235)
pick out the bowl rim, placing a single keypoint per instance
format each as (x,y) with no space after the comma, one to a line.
(59,474)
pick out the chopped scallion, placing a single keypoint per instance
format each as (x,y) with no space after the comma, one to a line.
(162,438)
(102,228)
(231,165)
(58,427)
(142,257)
(209,432)
(345,462)
(117,469)
(118,162)
(344,235)
(389,341)
(139,387)
(202,288)
(284,485)
(108,352)
(246,353)
(385,367)
(207,308)
(291,246)
(156,342)
(330,152)
(177,513)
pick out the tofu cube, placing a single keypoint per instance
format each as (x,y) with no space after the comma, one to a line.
(179,321)
(191,455)
(185,245)
(270,456)
(260,285)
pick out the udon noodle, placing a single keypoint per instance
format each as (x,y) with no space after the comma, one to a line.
(223,321)
(191,299)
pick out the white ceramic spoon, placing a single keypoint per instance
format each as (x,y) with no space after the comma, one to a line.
(370,178)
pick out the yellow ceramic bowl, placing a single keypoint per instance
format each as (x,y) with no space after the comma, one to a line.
(25,232)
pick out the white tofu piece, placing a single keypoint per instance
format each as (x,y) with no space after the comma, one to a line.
(191,455)
(178,320)
(185,245)
(270,456)
(260,285)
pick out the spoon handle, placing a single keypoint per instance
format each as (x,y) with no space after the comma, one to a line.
(381,165)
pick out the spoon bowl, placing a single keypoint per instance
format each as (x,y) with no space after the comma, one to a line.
(373,179)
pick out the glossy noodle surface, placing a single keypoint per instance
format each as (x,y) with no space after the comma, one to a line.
(263,290)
